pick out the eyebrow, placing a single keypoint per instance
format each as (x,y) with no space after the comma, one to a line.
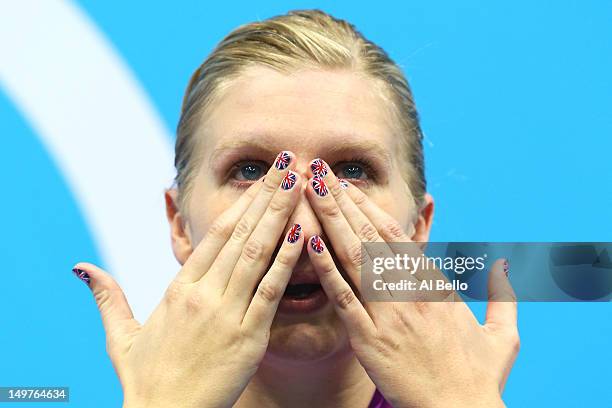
(335,145)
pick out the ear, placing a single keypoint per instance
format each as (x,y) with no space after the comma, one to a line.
(179,232)
(424,220)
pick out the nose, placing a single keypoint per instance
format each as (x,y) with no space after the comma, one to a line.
(303,213)
(305,216)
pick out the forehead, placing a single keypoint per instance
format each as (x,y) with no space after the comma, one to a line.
(309,111)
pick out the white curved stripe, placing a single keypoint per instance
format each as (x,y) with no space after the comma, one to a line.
(102,132)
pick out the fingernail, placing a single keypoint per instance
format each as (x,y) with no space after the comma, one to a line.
(343,183)
(282,160)
(82,275)
(506,268)
(317,244)
(289,180)
(319,168)
(318,185)
(294,233)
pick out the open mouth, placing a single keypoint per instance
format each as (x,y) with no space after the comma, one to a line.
(302,297)
(301,290)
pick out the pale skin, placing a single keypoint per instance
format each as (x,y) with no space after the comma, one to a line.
(217,339)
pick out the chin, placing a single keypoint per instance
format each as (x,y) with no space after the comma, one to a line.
(306,338)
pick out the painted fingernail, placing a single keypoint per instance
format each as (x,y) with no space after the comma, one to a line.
(317,244)
(82,275)
(506,268)
(318,185)
(294,233)
(343,183)
(289,180)
(282,160)
(319,168)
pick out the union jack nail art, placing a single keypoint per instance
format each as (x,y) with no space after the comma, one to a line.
(343,183)
(318,167)
(317,244)
(318,185)
(289,180)
(282,160)
(82,275)
(294,233)
(506,268)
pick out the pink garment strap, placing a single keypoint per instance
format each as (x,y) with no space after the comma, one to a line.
(378,401)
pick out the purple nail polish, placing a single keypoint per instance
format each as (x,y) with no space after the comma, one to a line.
(289,180)
(506,268)
(317,244)
(343,183)
(282,160)
(82,275)
(294,233)
(319,168)
(319,186)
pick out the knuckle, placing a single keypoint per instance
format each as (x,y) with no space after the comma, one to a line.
(391,229)
(277,207)
(422,306)
(360,198)
(400,317)
(174,292)
(194,302)
(328,268)
(103,298)
(387,344)
(330,211)
(242,230)
(336,191)
(268,292)
(515,341)
(220,228)
(368,233)
(253,251)
(284,260)
(268,187)
(345,298)
(354,255)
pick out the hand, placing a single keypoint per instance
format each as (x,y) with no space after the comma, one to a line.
(205,340)
(419,354)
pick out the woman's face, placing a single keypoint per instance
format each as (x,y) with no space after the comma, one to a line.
(336,115)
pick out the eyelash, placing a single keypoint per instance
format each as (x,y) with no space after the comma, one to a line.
(367,165)
(368,168)
(241,184)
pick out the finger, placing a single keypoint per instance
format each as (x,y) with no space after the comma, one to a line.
(225,262)
(263,306)
(218,233)
(346,226)
(116,314)
(322,191)
(259,247)
(339,292)
(354,217)
(502,307)
(387,226)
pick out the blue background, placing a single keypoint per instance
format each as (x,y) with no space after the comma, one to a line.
(515,101)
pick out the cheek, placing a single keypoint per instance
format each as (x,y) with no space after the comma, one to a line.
(204,208)
(398,205)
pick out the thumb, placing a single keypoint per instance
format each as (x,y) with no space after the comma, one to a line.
(114,309)
(501,310)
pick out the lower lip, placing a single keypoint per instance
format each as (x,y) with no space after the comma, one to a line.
(314,301)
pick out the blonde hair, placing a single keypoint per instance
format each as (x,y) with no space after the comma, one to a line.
(298,39)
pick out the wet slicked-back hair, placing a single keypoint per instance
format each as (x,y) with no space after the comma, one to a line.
(294,41)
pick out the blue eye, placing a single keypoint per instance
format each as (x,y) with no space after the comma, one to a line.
(250,172)
(352,171)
